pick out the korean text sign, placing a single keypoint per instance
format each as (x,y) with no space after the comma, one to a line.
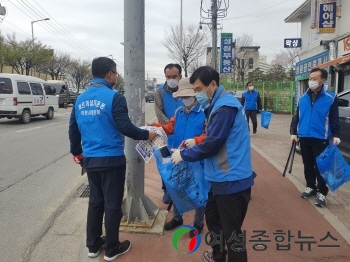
(327,16)
(292,42)
(226,53)
(303,68)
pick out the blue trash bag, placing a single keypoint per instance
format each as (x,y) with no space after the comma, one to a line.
(265,119)
(184,182)
(333,167)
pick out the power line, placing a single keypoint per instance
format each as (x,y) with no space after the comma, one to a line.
(52,31)
(16,27)
(56,29)
(63,27)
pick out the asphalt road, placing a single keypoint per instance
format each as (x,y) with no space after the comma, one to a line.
(37,180)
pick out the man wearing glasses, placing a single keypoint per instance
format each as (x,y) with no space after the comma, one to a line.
(97,124)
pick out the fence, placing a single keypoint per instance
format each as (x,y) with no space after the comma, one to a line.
(277,97)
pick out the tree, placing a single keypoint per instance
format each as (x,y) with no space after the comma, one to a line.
(119,86)
(256,75)
(24,55)
(287,60)
(57,65)
(277,73)
(79,74)
(194,43)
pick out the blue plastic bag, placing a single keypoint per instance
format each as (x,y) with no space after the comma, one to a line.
(333,167)
(265,119)
(184,182)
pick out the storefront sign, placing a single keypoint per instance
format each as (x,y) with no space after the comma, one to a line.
(344,46)
(327,16)
(292,42)
(303,68)
(226,53)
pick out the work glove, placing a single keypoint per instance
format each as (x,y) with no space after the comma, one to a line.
(336,141)
(190,143)
(176,157)
(78,159)
(294,138)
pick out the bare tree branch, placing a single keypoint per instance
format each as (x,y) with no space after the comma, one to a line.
(194,43)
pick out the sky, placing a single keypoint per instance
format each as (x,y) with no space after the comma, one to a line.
(89,28)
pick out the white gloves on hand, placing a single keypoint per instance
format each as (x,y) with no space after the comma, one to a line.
(176,157)
(190,143)
(294,138)
(336,141)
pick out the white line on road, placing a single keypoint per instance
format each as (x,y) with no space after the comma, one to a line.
(33,128)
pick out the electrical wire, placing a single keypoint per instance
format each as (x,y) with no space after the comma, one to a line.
(56,30)
(59,36)
(63,27)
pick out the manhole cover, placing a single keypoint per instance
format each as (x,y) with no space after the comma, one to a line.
(83,191)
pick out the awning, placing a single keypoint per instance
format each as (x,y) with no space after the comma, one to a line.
(340,60)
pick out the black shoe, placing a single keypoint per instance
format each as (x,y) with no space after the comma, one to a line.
(166,198)
(94,252)
(308,192)
(173,224)
(254,131)
(199,230)
(120,250)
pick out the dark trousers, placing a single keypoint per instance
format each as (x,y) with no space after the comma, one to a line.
(310,150)
(106,196)
(224,215)
(252,115)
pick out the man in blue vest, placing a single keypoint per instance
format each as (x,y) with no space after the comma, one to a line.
(252,104)
(165,104)
(98,121)
(316,124)
(227,165)
(188,128)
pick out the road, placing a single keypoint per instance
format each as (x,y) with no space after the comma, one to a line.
(37,180)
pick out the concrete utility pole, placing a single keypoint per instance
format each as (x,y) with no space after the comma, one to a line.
(214,10)
(181,34)
(139,210)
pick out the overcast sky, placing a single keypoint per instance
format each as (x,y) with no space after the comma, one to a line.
(90,28)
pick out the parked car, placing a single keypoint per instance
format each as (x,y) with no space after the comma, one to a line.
(23,97)
(344,122)
(149,97)
(237,94)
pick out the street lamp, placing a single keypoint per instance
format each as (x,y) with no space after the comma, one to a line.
(33,33)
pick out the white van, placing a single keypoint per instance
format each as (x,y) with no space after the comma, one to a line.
(23,97)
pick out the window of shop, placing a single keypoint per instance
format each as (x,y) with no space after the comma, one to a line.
(346,80)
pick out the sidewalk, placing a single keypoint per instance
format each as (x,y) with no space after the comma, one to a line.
(276,205)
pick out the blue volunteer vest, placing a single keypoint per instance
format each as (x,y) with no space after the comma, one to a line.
(188,125)
(93,111)
(314,119)
(233,161)
(251,100)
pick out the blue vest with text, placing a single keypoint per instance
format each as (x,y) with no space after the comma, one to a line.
(93,112)
(251,100)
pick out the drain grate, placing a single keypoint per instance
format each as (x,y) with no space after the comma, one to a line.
(83,191)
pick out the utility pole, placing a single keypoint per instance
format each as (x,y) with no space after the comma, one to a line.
(216,11)
(138,209)
(181,34)
(233,64)
(214,21)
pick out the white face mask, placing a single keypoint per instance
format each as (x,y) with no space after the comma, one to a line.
(188,101)
(251,88)
(313,85)
(172,83)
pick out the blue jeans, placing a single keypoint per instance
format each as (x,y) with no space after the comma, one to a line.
(198,211)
